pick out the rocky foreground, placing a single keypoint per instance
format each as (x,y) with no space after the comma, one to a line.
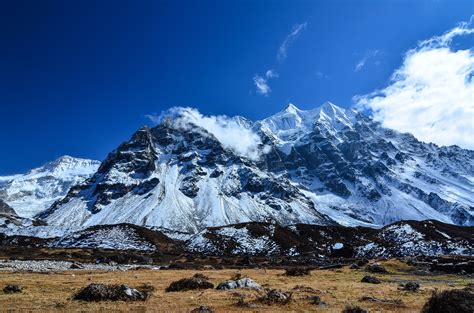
(394,286)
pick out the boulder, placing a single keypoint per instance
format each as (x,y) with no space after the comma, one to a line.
(102,292)
(239,283)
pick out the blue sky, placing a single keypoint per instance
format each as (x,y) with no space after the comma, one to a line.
(78,77)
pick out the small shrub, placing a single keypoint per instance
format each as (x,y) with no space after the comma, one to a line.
(410,286)
(354,309)
(450,301)
(298,271)
(201,276)
(376,268)
(273,296)
(370,280)
(189,284)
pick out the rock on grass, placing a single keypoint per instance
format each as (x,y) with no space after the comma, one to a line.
(239,283)
(376,268)
(410,286)
(370,280)
(102,292)
(273,296)
(9,289)
(202,309)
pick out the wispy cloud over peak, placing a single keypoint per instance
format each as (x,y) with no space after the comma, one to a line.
(228,131)
(289,39)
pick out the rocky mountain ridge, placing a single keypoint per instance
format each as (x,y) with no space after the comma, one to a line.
(325,166)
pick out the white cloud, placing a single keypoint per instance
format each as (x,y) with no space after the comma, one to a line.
(231,133)
(283,50)
(261,83)
(271,74)
(432,94)
(362,62)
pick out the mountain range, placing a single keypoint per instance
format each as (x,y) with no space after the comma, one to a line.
(326,166)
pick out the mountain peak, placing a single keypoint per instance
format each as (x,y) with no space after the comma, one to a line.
(291,108)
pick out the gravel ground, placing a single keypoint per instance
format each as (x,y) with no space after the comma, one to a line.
(48,266)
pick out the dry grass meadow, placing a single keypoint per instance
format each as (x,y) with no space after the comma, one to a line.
(52,292)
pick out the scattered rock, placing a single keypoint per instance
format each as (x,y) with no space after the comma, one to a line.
(354,266)
(395,302)
(189,284)
(316,300)
(450,301)
(102,292)
(12,289)
(76,265)
(376,268)
(354,309)
(331,266)
(202,309)
(410,286)
(362,262)
(469,287)
(273,296)
(239,283)
(370,280)
(303,288)
(298,271)
(245,261)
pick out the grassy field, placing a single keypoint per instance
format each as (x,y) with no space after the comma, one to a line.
(52,292)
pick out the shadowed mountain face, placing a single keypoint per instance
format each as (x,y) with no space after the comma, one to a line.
(323,166)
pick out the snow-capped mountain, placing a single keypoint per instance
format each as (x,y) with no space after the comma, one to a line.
(31,193)
(358,172)
(323,166)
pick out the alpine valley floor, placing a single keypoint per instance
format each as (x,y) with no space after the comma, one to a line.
(52,291)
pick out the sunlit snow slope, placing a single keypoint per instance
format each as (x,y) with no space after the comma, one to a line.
(31,193)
